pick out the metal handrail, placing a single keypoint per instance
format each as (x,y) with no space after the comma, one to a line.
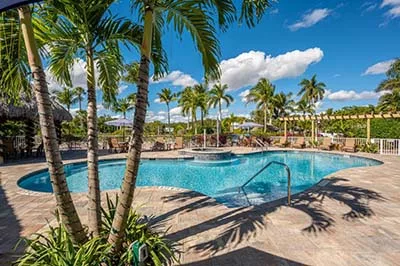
(262,170)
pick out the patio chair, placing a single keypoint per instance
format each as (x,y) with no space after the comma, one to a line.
(159,145)
(349,145)
(299,143)
(117,146)
(326,144)
(178,143)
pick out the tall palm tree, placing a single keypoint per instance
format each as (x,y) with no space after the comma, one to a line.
(86,29)
(195,17)
(79,92)
(218,95)
(19,49)
(262,94)
(166,96)
(390,102)
(185,102)
(124,105)
(67,97)
(393,78)
(131,74)
(201,100)
(312,90)
(283,104)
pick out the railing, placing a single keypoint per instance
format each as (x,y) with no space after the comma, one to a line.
(389,146)
(262,170)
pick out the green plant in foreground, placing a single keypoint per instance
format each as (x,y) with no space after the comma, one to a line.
(55,247)
(161,251)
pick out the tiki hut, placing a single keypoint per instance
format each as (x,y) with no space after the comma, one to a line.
(25,110)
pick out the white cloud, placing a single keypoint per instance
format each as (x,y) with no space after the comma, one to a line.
(247,68)
(244,95)
(310,19)
(162,113)
(351,95)
(78,76)
(100,107)
(157,100)
(122,88)
(368,6)
(177,78)
(274,11)
(379,68)
(176,111)
(336,75)
(394,8)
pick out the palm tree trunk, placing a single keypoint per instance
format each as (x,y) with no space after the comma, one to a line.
(219,122)
(65,206)
(135,145)
(94,205)
(265,119)
(80,104)
(169,120)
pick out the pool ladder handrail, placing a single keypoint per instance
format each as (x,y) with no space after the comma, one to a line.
(262,170)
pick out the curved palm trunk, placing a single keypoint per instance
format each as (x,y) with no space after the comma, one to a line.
(94,204)
(219,122)
(135,145)
(169,120)
(65,206)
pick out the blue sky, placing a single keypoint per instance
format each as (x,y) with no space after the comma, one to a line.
(348,44)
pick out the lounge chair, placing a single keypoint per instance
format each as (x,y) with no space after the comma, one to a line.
(159,145)
(117,146)
(349,145)
(178,143)
(326,144)
(283,142)
(300,143)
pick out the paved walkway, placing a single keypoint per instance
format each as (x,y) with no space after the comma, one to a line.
(352,220)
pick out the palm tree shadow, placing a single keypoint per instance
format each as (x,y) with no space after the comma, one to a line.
(10,231)
(239,224)
(245,256)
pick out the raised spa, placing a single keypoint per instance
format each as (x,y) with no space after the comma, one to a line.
(208,154)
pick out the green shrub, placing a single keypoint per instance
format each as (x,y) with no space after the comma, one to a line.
(161,251)
(56,248)
(370,148)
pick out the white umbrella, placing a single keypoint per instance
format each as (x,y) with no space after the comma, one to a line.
(249,125)
(120,122)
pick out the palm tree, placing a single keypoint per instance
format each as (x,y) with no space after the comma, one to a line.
(283,104)
(312,90)
(193,16)
(390,102)
(185,102)
(262,94)
(85,29)
(131,74)
(201,100)
(124,105)
(79,92)
(393,78)
(66,97)
(166,96)
(19,49)
(218,95)
(305,107)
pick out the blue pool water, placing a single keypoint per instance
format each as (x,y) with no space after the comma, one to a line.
(219,180)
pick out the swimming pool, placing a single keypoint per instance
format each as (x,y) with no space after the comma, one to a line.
(220,180)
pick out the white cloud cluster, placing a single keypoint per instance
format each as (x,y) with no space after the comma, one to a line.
(177,78)
(379,68)
(243,95)
(78,76)
(394,8)
(311,18)
(247,68)
(351,95)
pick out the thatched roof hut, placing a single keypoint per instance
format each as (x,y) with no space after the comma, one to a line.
(26,109)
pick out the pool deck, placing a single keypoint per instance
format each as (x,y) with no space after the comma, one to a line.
(354,219)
